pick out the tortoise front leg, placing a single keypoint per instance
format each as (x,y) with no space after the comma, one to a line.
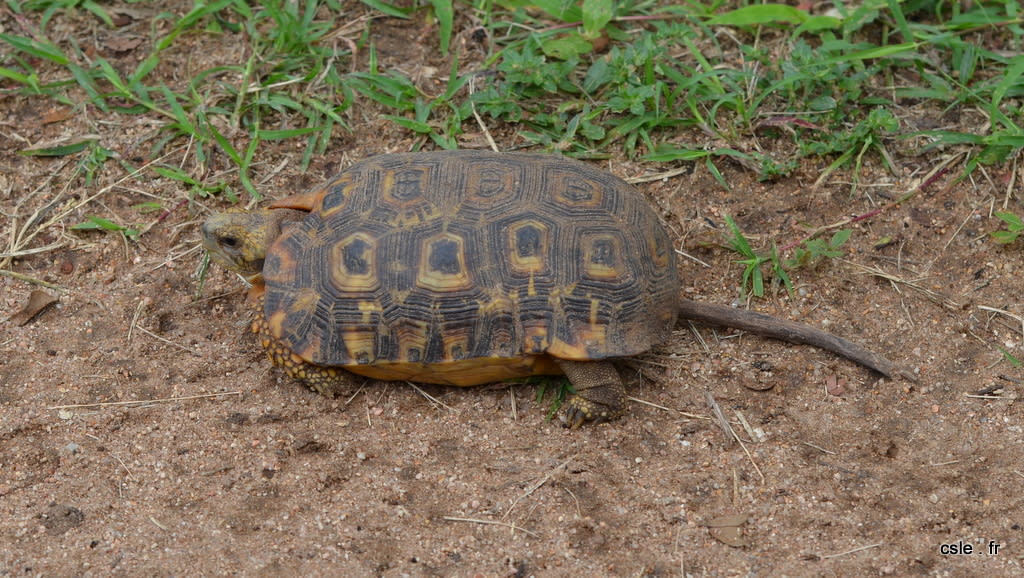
(328,381)
(600,393)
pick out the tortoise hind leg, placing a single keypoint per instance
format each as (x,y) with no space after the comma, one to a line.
(600,393)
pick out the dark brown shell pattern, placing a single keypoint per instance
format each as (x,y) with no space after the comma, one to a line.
(436,257)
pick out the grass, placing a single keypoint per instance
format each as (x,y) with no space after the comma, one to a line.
(555,389)
(808,253)
(754,263)
(690,82)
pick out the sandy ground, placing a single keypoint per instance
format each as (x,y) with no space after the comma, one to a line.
(142,431)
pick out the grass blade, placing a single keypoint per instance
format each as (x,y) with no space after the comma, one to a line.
(445,14)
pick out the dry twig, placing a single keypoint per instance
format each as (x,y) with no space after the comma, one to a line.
(724,424)
(490,523)
(143,401)
(933,296)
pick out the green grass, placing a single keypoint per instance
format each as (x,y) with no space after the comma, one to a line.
(665,72)
(665,82)
(1014,228)
(94,223)
(755,263)
(1013,361)
(556,390)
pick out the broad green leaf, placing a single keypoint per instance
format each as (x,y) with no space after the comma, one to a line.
(175,174)
(600,73)
(563,10)
(1010,78)
(947,137)
(99,12)
(566,47)
(1004,237)
(596,15)
(874,52)
(16,76)
(666,154)
(1011,219)
(817,24)
(840,237)
(93,223)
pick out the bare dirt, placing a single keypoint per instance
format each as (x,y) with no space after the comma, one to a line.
(232,468)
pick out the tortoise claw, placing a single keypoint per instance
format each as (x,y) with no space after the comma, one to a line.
(600,395)
(579,411)
(573,418)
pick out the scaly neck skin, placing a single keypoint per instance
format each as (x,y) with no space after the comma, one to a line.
(239,240)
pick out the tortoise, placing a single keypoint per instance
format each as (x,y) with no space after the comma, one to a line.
(470,267)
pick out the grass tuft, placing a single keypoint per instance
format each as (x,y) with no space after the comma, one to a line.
(708,84)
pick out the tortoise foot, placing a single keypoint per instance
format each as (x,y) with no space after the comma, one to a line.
(579,411)
(600,395)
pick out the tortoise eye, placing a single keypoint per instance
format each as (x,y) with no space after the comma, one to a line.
(229,242)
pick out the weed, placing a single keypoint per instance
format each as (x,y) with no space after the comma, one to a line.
(93,223)
(50,8)
(287,36)
(813,251)
(1014,228)
(1010,358)
(808,254)
(753,263)
(92,156)
(195,187)
(658,81)
(557,388)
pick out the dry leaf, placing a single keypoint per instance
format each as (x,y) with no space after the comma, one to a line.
(55,115)
(756,385)
(835,386)
(728,530)
(123,43)
(37,301)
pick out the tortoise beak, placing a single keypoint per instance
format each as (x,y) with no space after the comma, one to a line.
(209,241)
(232,243)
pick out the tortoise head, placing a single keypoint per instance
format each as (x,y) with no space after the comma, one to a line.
(239,240)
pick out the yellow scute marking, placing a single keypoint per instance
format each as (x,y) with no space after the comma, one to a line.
(498,304)
(591,338)
(602,257)
(369,308)
(360,342)
(312,349)
(361,249)
(442,265)
(305,300)
(275,323)
(536,339)
(535,246)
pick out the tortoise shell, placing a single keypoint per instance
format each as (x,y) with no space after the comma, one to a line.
(466,267)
